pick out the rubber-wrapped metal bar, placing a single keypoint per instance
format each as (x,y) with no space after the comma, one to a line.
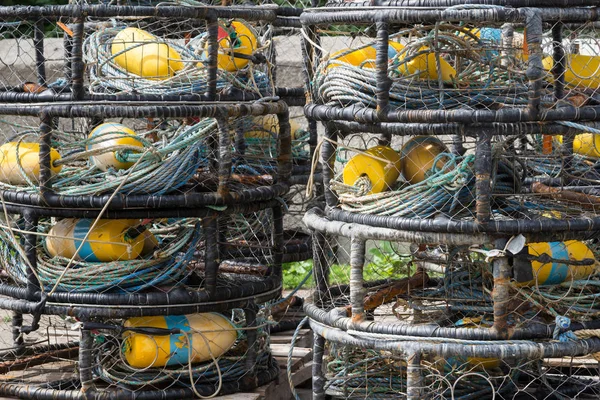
(224,157)
(558,55)
(320,267)
(34,392)
(331,16)
(502,272)
(251,337)
(138,109)
(483,175)
(429,231)
(318,377)
(414,376)
(284,148)
(67,69)
(277,250)
(30,225)
(45,160)
(254,13)
(357,291)
(195,212)
(17,337)
(77,64)
(38,44)
(212,261)
(507,352)
(508,51)
(451,3)
(175,297)
(212,31)
(383,83)
(86,361)
(535,69)
(328,151)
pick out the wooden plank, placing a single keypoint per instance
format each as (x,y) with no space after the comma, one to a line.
(281,350)
(568,362)
(303,374)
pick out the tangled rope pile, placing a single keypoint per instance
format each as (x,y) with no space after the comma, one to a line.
(167,265)
(108,77)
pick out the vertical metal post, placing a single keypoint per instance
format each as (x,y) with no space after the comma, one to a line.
(508,49)
(77,65)
(17,323)
(483,170)
(558,67)
(224,155)
(212,32)
(44,158)
(414,377)
(284,147)
(251,337)
(320,267)
(383,81)
(38,43)
(328,150)
(535,68)
(211,254)
(318,379)
(501,296)
(30,222)
(277,241)
(357,262)
(85,361)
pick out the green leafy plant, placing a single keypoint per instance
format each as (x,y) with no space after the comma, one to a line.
(387,263)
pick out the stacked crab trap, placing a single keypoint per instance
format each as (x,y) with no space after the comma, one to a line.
(457,253)
(146,154)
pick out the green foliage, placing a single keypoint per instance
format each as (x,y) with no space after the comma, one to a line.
(387,263)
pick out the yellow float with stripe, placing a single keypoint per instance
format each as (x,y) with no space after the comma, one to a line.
(211,335)
(418,155)
(110,240)
(557,271)
(382,171)
(268,127)
(363,57)
(581,71)
(108,135)
(233,37)
(425,66)
(141,54)
(20,161)
(585,144)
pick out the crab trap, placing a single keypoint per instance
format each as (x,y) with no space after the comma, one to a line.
(456,256)
(191,52)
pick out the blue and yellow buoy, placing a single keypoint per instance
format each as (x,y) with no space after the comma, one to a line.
(559,269)
(209,334)
(106,136)
(109,240)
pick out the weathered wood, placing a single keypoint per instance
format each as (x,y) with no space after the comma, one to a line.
(581,199)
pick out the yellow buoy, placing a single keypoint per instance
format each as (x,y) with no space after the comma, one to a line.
(140,53)
(268,127)
(556,272)
(418,155)
(581,71)
(110,240)
(234,37)
(585,144)
(21,160)
(211,335)
(108,135)
(486,363)
(364,57)
(425,66)
(382,174)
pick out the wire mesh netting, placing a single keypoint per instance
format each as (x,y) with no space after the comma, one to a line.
(478,61)
(153,156)
(428,320)
(211,353)
(151,51)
